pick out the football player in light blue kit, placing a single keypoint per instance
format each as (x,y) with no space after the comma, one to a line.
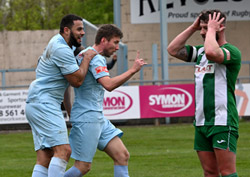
(57,68)
(90,129)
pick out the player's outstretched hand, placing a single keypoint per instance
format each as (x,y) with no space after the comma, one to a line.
(138,63)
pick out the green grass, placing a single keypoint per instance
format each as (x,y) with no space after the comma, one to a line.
(155,151)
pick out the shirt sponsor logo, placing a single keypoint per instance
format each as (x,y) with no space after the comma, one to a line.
(117,104)
(101,69)
(221,141)
(174,101)
(209,68)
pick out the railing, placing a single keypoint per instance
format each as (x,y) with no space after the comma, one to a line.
(3,73)
(122,64)
(155,67)
(240,79)
(155,81)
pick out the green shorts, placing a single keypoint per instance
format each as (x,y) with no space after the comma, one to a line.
(221,137)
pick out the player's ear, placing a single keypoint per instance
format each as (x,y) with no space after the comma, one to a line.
(66,30)
(103,40)
(222,27)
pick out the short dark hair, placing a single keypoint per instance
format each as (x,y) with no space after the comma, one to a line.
(107,31)
(68,21)
(205,15)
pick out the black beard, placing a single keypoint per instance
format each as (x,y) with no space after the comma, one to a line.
(73,40)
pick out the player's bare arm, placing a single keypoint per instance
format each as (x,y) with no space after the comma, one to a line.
(182,54)
(111,83)
(212,46)
(176,48)
(76,79)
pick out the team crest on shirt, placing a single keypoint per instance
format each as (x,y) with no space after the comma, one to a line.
(101,69)
(209,68)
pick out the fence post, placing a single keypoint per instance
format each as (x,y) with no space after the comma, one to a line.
(3,79)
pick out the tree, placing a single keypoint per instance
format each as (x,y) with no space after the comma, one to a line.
(95,11)
(47,14)
(23,15)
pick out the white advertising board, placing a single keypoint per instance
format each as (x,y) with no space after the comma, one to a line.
(12,106)
(122,103)
(148,11)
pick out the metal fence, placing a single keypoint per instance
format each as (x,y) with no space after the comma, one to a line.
(5,71)
(142,81)
(122,64)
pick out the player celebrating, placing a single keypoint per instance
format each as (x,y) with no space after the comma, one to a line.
(57,68)
(90,129)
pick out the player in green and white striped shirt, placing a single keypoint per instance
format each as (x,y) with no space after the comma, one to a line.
(216,70)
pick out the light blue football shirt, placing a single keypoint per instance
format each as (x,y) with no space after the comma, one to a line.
(56,61)
(88,103)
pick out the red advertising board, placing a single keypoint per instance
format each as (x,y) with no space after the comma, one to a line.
(167,101)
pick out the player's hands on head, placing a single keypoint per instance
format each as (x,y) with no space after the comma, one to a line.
(196,24)
(215,22)
(138,63)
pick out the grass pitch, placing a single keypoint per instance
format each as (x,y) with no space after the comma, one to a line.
(155,151)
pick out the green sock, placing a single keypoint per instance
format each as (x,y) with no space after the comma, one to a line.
(232,175)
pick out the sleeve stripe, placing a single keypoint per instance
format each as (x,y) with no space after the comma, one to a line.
(189,52)
(194,54)
(226,54)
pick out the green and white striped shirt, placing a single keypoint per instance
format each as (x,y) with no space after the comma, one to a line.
(215,86)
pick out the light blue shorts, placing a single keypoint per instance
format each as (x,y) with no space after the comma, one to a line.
(86,137)
(48,125)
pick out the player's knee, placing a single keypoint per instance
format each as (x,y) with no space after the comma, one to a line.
(68,151)
(227,168)
(44,157)
(86,169)
(83,167)
(123,157)
(62,151)
(126,156)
